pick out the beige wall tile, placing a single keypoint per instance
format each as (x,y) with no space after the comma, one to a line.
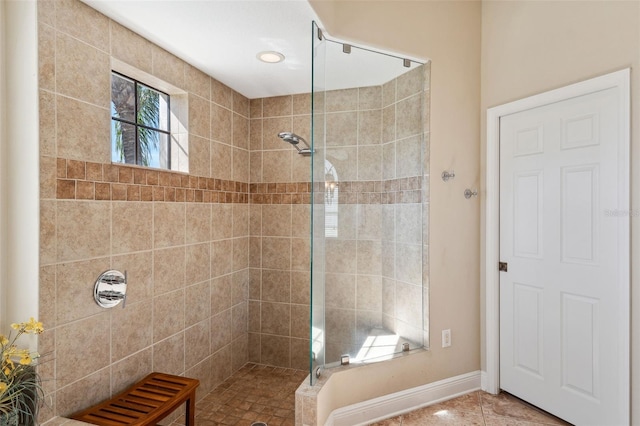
(409,223)
(131,330)
(300,254)
(341,256)
(220,330)
(370,127)
(300,354)
(126,372)
(198,222)
(255,108)
(255,283)
(409,157)
(168,315)
(240,104)
(221,221)
(240,253)
(255,134)
(197,82)
(220,294)
(347,221)
(199,116)
(344,161)
(75,139)
(221,94)
(168,224)
(370,162)
(301,104)
(131,48)
(239,320)
(240,220)
(369,221)
(254,347)
(92,388)
(198,302)
(80,225)
(240,131)
(300,288)
(409,303)
(300,323)
(88,334)
(276,286)
(46,56)
(47,12)
(340,291)
(342,100)
(221,124)
(300,220)
(47,299)
(221,257)
(131,227)
(388,259)
(302,127)
(220,161)
(370,98)
(167,67)
(197,345)
(255,220)
(389,123)
(255,252)
(82,71)
(254,316)
(139,274)
(168,355)
(410,83)
(409,263)
(202,371)
(239,351)
(47,232)
(271,127)
(82,22)
(276,166)
(389,160)
(409,117)
(276,220)
(168,270)
(276,318)
(240,165)
(199,156)
(47,118)
(239,286)
(276,253)
(369,255)
(389,93)
(369,293)
(342,129)
(197,263)
(300,167)
(275,350)
(341,326)
(255,167)
(277,106)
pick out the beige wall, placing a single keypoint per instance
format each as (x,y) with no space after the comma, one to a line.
(448,33)
(530,47)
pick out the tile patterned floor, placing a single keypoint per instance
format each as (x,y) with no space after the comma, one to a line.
(476,408)
(255,393)
(258,393)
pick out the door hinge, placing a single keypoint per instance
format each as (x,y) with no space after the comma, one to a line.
(502,266)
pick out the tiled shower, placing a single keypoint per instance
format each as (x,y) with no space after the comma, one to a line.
(217,259)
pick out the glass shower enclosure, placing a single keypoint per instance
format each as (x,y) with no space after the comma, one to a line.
(369,266)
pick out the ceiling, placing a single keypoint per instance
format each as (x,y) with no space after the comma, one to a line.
(223,37)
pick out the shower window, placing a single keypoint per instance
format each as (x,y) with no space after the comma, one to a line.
(140,124)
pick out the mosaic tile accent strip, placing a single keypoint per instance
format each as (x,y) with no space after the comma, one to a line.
(82,180)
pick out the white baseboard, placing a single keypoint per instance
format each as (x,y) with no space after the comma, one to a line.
(404,401)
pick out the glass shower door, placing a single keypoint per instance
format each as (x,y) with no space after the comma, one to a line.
(317,352)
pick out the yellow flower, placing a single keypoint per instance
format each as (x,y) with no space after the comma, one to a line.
(3,340)
(3,387)
(16,326)
(25,360)
(33,326)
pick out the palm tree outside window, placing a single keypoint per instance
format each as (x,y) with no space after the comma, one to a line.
(140,131)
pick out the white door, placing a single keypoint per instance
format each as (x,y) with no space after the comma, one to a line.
(562,299)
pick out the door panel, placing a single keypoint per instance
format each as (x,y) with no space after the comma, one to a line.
(560,299)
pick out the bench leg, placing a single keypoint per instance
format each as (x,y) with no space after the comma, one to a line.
(190,415)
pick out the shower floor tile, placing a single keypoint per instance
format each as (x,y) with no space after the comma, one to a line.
(255,393)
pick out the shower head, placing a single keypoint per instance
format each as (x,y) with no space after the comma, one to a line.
(294,140)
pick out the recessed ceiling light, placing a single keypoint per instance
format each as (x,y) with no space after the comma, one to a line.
(270,57)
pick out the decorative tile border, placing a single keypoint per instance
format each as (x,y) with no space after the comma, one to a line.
(81,180)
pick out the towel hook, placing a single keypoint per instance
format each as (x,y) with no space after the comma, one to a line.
(468,193)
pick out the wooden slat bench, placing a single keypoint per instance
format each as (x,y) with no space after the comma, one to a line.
(145,403)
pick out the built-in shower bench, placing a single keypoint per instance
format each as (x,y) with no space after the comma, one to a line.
(145,403)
